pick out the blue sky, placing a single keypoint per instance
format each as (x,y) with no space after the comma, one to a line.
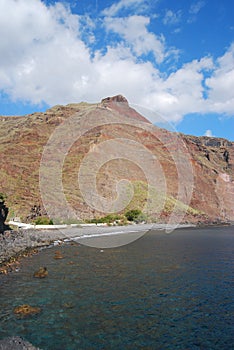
(174,58)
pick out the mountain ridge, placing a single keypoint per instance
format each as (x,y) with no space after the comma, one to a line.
(23,140)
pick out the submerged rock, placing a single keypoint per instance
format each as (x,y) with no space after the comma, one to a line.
(68,305)
(26,310)
(41,273)
(58,255)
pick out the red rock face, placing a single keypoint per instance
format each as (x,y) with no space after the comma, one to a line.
(120,104)
(214,170)
(196,171)
(117,98)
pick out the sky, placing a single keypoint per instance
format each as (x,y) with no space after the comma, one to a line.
(174,58)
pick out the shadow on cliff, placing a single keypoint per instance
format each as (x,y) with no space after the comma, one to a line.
(3,215)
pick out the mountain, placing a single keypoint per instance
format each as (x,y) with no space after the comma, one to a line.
(85,160)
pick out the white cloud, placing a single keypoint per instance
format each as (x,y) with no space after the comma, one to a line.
(124,4)
(221,83)
(133,30)
(208,133)
(172,17)
(41,46)
(43,57)
(177,30)
(196,7)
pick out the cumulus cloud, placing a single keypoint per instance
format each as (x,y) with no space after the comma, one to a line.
(45,57)
(208,133)
(133,30)
(221,83)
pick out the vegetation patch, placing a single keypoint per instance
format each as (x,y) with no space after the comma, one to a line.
(43,220)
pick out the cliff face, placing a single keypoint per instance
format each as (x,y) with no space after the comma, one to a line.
(213,163)
(200,165)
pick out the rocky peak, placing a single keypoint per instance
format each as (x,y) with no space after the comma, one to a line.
(120,104)
(117,98)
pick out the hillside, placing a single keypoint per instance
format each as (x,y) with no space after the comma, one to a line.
(184,173)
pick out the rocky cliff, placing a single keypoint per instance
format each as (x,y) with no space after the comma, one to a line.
(3,216)
(192,174)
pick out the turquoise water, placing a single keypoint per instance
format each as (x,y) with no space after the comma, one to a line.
(160,292)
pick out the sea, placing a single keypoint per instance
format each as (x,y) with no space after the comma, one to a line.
(163,291)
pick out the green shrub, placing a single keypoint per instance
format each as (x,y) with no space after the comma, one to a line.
(42,220)
(141,218)
(123,221)
(133,215)
(108,219)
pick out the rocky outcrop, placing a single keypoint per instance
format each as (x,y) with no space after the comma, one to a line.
(13,243)
(3,216)
(120,104)
(16,343)
(117,98)
(35,212)
(213,141)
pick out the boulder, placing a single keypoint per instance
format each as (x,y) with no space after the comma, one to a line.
(16,343)
(41,273)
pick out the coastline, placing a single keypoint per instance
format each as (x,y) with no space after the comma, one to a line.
(15,245)
(25,242)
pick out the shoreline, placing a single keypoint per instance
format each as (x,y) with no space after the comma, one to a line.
(16,245)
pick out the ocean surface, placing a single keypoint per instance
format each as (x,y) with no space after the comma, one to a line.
(164,291)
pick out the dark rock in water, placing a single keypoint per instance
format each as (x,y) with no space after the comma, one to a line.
(58,255)
(16,343)
(26,310)
(68,305)
(41,273)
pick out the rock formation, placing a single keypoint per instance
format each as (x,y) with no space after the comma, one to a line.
(16,343)
(3,216)
(117,98)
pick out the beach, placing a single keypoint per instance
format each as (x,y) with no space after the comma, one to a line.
(14,243)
